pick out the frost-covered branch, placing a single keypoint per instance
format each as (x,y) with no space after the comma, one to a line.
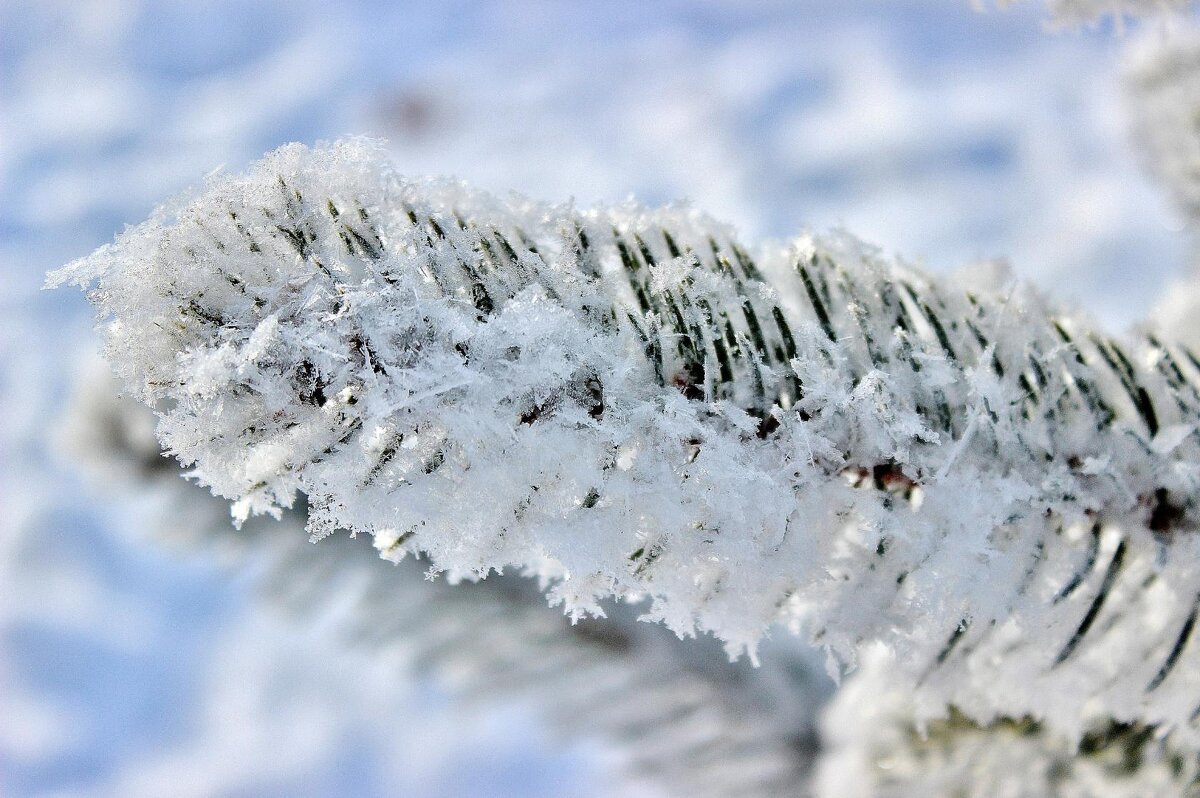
(674,713)
(875,750)
(628,402)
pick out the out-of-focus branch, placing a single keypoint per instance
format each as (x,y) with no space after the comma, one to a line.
(1072,13)
(874,749)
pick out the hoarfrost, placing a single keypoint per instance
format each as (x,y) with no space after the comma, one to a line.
(617,402)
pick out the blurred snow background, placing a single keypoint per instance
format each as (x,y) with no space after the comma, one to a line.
(941,134)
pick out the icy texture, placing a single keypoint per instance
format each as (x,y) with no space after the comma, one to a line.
(618,402)
(874,750)
(676,715)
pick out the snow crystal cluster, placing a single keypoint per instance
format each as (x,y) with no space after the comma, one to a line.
(674,713)
(629,402)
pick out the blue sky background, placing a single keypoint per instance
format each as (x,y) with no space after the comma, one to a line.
(941,134)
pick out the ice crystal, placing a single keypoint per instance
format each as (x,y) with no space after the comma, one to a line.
(630,402)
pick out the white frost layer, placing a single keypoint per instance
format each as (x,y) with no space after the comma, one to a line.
(624,401)
(677,716)
(875,750)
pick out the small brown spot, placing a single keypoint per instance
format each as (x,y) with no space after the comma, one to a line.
(767,425)
(1164,514)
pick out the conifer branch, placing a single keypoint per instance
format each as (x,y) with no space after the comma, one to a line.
(674,714)
(629,402)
